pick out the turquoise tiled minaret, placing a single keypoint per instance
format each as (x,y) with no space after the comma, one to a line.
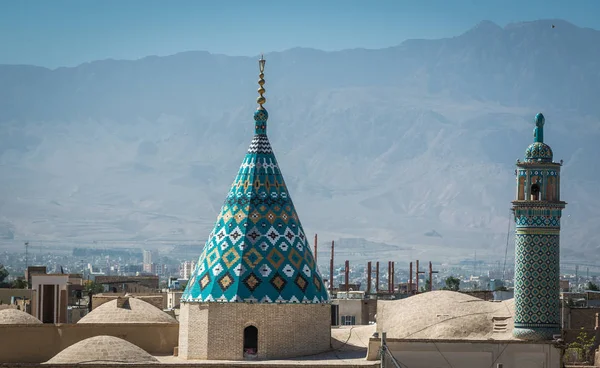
(537,212)
(257,251)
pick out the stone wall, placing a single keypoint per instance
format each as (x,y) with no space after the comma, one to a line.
(38,343)
(216,330)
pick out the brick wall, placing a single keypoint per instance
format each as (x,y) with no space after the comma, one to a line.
(193,323)
(582,318)
(216,330)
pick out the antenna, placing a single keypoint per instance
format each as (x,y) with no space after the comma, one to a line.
(26,255)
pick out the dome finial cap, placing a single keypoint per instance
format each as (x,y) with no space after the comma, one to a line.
(538,151)
(539,119)
(261,115)
(261,90)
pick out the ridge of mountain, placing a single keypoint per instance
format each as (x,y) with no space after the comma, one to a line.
(383,144)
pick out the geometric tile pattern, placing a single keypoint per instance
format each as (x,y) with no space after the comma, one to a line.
(537,221)
(537,262)
(539,172)
(257,251)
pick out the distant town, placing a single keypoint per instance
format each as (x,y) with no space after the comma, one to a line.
(175,266)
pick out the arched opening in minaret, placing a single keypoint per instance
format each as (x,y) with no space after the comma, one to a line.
(521,189)
(550,192)
(535,192)
(250,342)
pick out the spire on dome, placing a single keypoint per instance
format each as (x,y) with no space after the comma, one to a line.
(538,132)
(261,115)
(257,251)
(538,151)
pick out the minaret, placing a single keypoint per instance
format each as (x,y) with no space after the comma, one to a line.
(537,210)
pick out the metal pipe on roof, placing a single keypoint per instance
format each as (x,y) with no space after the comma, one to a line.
(347,274)
(377,277)
(331,268)
(417,280)
(431,272)
(390,277)
(410,279)
(393,277)
(368,277)
(315,248)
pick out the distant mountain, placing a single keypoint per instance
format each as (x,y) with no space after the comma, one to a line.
(378,144)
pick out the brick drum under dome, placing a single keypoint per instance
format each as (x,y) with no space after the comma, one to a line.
(256,290)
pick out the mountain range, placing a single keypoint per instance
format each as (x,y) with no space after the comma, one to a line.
(412,145)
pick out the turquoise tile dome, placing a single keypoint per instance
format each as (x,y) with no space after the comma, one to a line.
(257,251)
(538,151)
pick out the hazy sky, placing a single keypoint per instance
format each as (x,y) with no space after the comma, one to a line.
(68,32)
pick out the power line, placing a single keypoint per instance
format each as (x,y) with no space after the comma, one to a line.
(443,356)
(506,249)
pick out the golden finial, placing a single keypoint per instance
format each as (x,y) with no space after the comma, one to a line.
(261,99)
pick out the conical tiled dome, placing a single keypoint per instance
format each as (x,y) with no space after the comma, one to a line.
(257,250)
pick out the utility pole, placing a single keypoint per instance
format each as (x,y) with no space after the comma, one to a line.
(417,275)
(377,277)
(410,280)
(431,272)
(26,255)
(331,269)
(369,277)
(346,277)
(315,248)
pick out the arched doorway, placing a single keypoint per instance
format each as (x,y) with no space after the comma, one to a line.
(250,342)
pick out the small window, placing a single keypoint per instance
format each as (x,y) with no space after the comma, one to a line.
(348,320)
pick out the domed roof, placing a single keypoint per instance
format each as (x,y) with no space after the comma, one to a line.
(102,349)
(12,316)
(127,310)
(442,314)
(538,151)
(257,250)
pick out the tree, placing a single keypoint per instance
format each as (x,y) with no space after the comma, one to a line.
(3,273)
(582,348)
(425,286)
(92,288)
(592,287)
(452,283)
(20,283)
